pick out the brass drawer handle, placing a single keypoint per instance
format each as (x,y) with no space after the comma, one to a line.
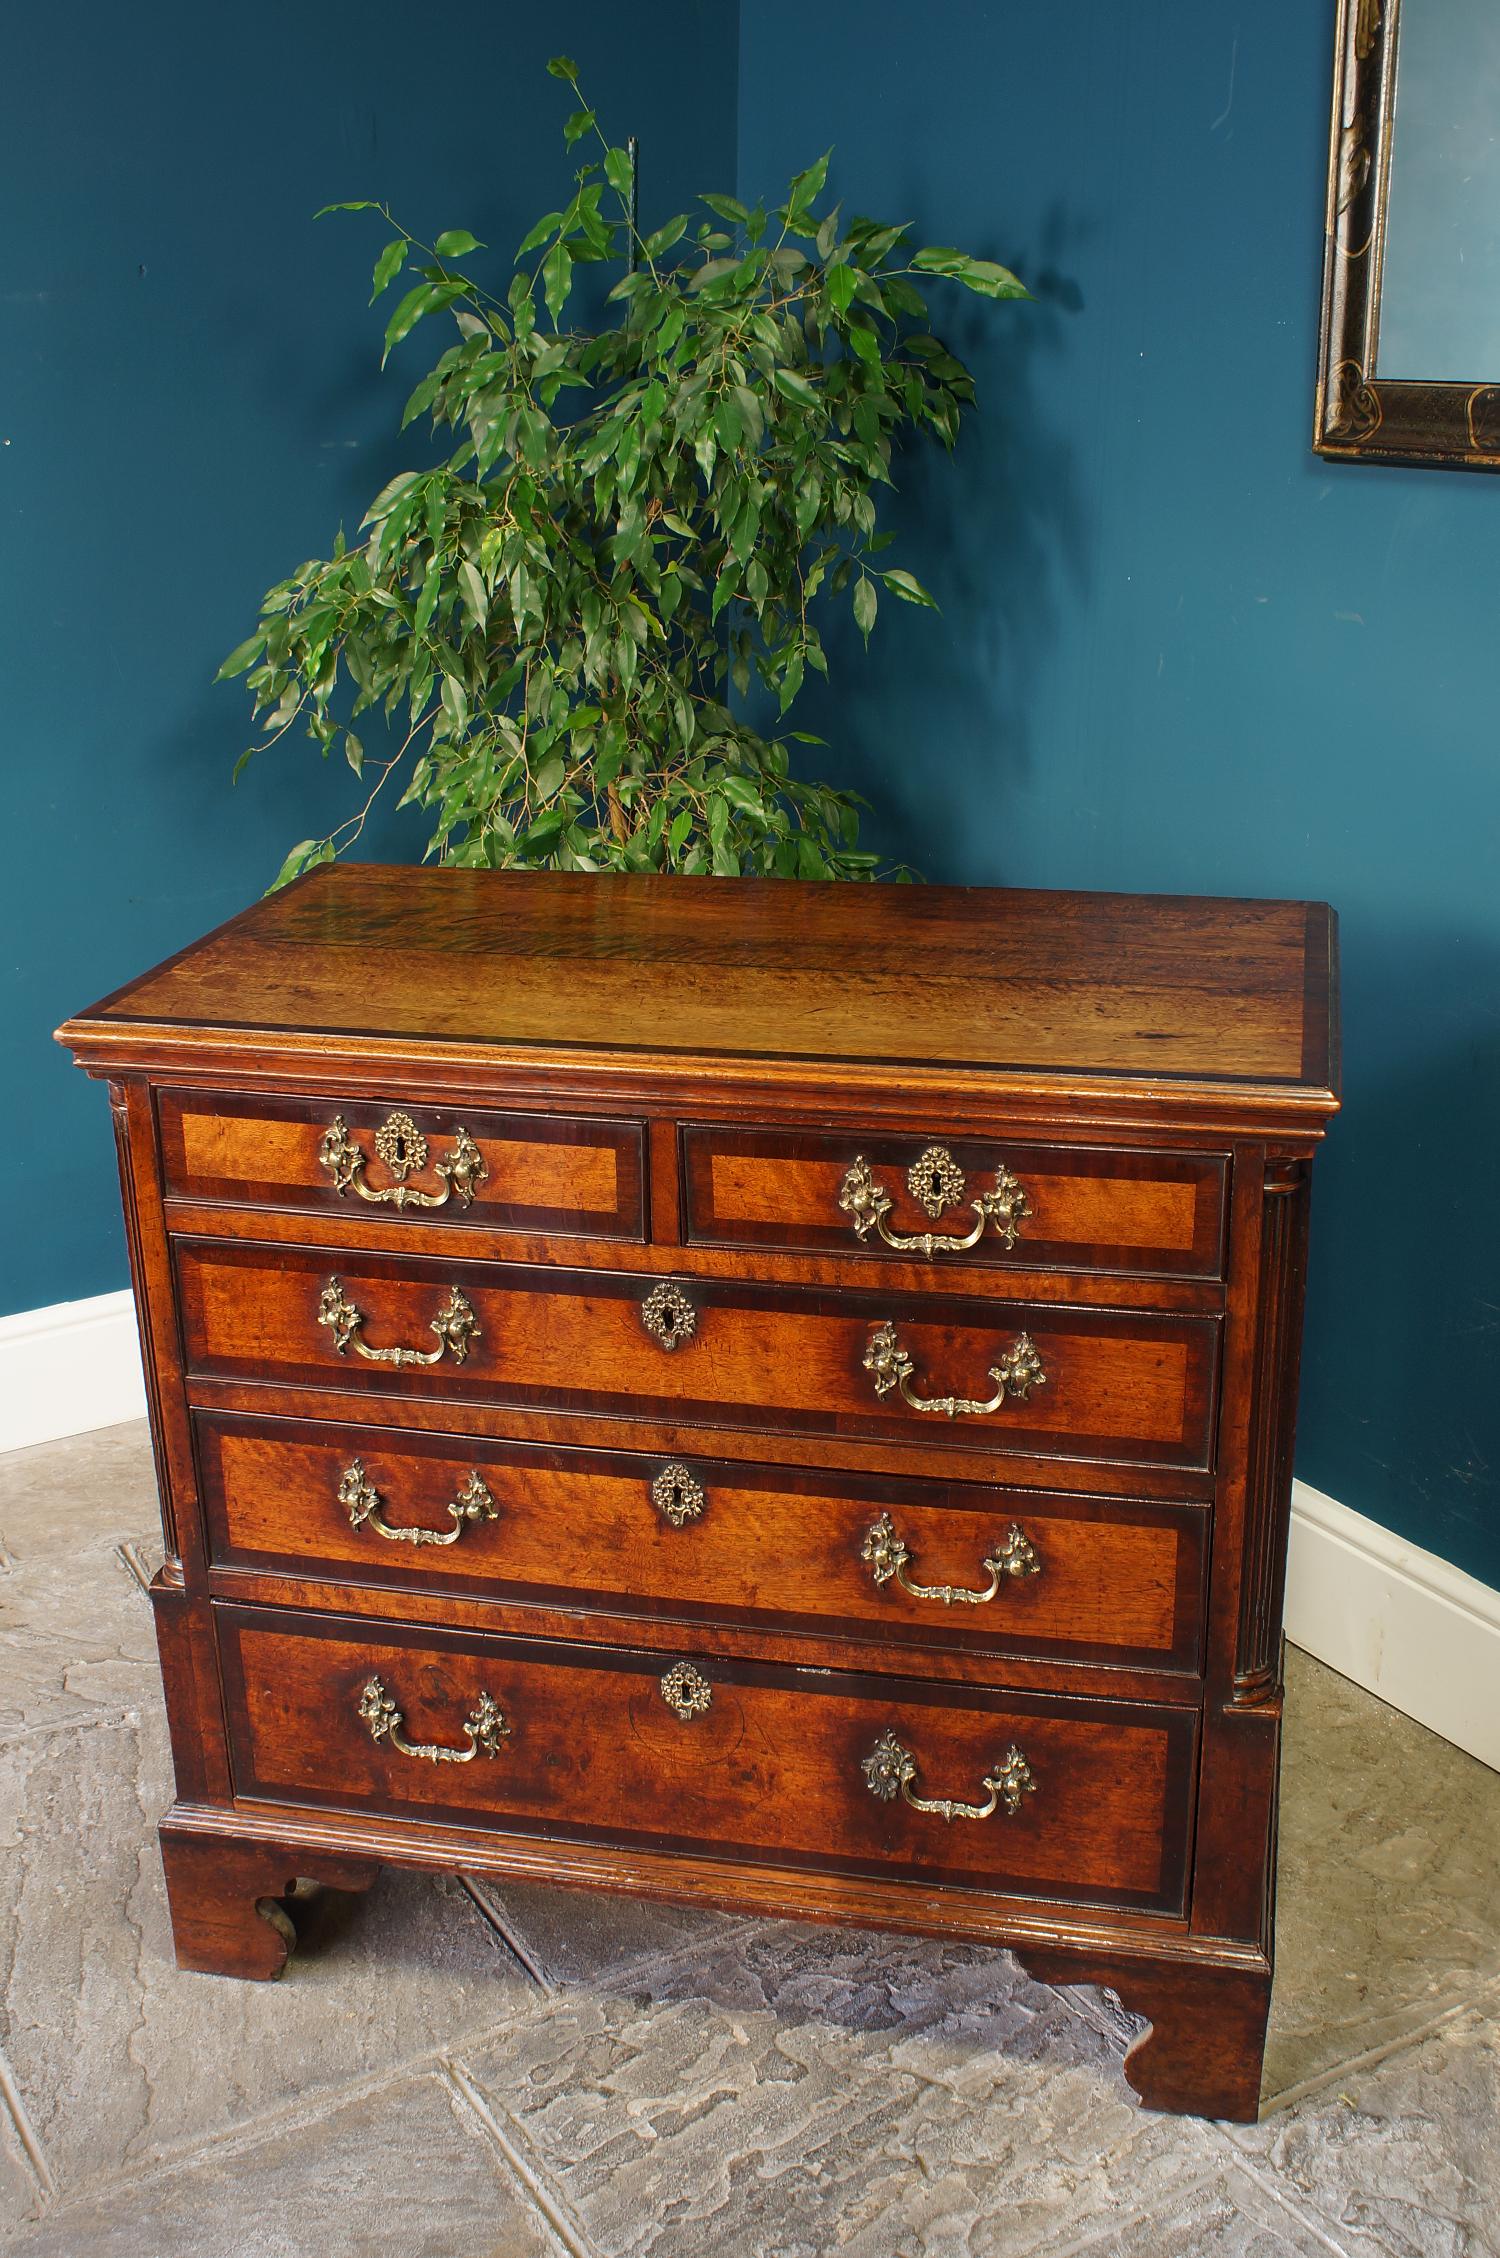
(485,1728)
(455,1326)
(403,1148)
(890,1768)
(1017,1373)
(358,1494)
(935,1181)
(887,1555)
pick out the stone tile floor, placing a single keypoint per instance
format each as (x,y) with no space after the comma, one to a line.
(464,2071)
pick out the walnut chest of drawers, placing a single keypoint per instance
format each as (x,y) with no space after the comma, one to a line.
(779,1395)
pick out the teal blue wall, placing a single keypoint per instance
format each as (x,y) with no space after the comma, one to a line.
(1177,650)
(189,405)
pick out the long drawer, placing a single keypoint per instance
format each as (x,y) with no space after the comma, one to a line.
(994,1570)
(983,1375)
(961,1204)
(528,1172)
(1082,1801)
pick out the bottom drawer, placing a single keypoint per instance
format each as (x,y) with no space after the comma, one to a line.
(1087,1801)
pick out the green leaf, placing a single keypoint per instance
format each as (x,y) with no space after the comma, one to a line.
(354,752)
(841,282)
(456,243)
(908,586)
(865,343)
(662,238)
(992,281)
(364,205)
(741,794)
(580,123)
(547,225)
(864,605)
(618,170)
(564,67)
(981,275)
(557,277)
(300,856)
(404,320)
(455,703)
(388,266)
(728,208)
(432,584)
(796,388)
(243,655)
(386,500)
(474,590)
(808,186)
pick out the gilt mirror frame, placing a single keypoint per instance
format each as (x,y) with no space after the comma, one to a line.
(1362,416)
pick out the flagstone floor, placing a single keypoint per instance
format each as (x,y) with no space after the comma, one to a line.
(455,2070)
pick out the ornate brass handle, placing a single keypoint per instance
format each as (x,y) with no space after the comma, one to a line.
(935,1181)
(485,1728)
(358,1494)
(890,1768)
(403,1148)
(455,1326)
(888,1555)
(1017,1373)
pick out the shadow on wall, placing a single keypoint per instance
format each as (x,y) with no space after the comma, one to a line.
(1406,1207)
(998,533)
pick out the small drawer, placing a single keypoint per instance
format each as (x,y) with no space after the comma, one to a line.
(1085,1801)
(992,1570)
(1000,1377)
(527,1172)
(958,1203)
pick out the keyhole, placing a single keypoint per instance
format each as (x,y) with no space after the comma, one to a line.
(929,1186)
(403,1154)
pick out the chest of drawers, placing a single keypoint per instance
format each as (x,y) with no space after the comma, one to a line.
(774,1395)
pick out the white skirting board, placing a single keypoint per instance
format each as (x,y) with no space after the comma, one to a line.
(69,1368)
(1414,1630)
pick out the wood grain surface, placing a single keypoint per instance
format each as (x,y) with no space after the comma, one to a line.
(1074,984)
(541,1173)
(1088,1210)
(1120,1580)
(772,1766)
(1121,1385)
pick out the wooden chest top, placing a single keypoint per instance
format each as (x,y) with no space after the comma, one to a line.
(1010,991)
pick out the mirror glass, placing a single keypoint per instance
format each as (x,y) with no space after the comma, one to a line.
(1440,282)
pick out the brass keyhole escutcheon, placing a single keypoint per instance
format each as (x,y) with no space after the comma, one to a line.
(668,1316)
(935,1179)
(401,1145)
(677,1495)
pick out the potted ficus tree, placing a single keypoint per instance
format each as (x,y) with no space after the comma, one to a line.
(559,625)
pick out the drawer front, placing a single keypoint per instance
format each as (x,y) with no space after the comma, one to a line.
(942,1564)
(1088,1384)
(449,1164)
(743,1758)
(956,1202)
